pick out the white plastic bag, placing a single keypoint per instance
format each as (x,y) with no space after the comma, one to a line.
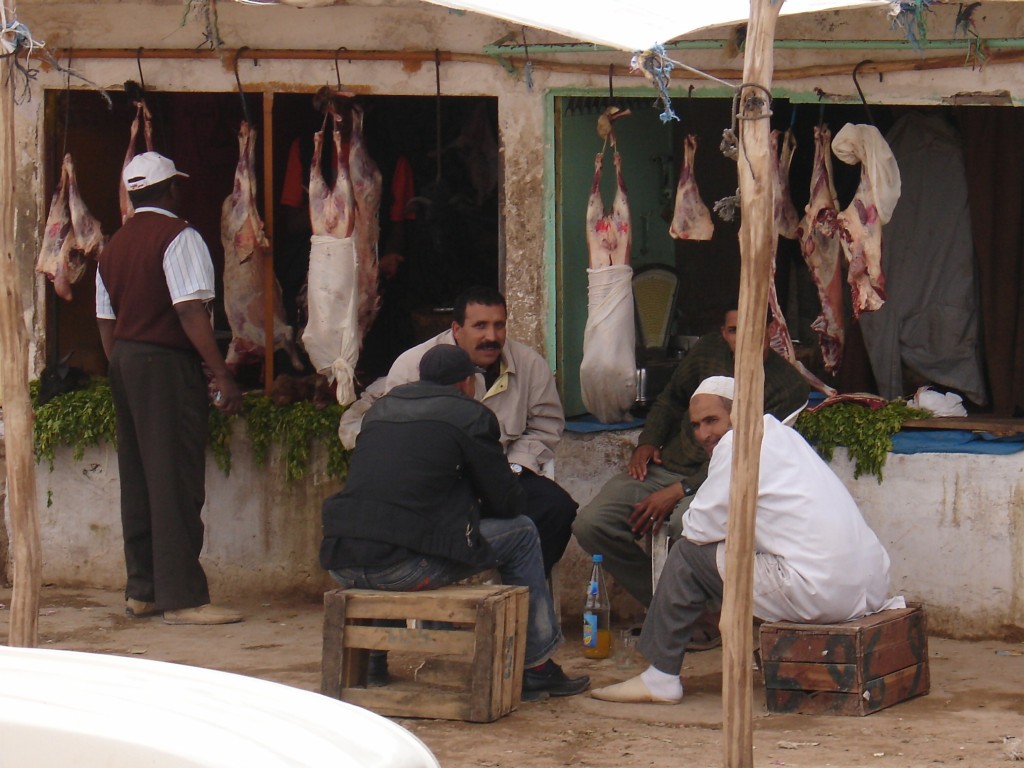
(949,404)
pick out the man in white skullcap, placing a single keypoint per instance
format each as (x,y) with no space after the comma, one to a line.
(815,558)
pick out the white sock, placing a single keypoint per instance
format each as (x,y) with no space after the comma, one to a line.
(662,684)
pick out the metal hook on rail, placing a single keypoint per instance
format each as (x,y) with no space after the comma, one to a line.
(238,82)
(138,64)
(337,71)
(856,85)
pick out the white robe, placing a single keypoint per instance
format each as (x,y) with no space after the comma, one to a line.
(816,560)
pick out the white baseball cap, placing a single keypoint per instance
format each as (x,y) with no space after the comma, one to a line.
(147,169)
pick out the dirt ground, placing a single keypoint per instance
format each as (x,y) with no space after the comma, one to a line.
(976,700)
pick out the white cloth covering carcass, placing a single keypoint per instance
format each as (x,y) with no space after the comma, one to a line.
(815,558)
(608,370)
(331,338)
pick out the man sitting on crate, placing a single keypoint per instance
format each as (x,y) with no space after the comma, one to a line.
(815,560)
(668,466)
(430,499)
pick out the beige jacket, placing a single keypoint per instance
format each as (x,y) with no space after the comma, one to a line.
(524,399)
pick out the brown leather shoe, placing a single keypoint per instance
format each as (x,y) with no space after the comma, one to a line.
(204,614)
(139,609)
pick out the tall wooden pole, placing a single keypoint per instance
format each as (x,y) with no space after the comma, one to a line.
(757,247)
(18,417)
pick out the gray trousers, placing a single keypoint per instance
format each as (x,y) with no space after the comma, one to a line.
(689,584)
(602,528)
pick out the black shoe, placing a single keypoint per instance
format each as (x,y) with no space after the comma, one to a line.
(377,669)
(550,679)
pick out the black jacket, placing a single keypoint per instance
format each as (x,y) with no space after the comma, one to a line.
(427,466)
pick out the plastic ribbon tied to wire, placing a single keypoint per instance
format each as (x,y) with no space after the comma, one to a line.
(657,67)
(908,15)
(15,39)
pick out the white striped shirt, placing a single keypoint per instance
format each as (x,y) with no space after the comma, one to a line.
(188,269)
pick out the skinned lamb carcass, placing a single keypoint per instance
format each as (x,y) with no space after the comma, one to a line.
(245,259)
(822,253)
(859,227)
(141,113)
(332,210)
(609,236)
(331,336)
(608,368)
(71,236)
(691,219)
(366,190)
(787,220)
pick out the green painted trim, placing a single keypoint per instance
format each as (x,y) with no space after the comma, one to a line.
(551,333)
(705,45)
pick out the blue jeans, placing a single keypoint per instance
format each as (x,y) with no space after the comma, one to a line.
(517,555)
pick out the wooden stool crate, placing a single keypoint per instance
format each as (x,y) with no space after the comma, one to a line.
(854,668)
(480,656)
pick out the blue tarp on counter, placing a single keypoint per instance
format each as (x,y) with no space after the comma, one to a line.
(955,441)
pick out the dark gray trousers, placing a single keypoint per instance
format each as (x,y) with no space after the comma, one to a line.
(689,583)
(162,410)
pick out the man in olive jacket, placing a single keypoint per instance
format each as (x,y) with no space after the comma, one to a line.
(430,499)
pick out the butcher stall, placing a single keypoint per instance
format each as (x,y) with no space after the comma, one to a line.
(353,166)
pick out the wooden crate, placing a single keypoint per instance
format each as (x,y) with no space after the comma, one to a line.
(854,668)
(480,656)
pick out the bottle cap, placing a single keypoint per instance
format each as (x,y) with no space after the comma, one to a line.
(598,558)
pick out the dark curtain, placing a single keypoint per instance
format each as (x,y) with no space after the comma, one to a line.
(994,156)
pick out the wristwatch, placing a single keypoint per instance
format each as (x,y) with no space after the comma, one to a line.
(517,469)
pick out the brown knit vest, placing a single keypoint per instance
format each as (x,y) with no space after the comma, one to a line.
(131,266)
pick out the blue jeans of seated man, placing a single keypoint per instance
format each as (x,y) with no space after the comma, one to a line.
(517,556)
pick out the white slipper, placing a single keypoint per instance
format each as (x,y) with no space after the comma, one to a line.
(633,691)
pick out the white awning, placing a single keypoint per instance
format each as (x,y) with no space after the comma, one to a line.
(634,25)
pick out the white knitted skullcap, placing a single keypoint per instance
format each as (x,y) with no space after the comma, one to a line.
(723,386)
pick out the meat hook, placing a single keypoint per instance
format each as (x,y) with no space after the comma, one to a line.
(856,85)
(238,81)
(138,63)
(337,72)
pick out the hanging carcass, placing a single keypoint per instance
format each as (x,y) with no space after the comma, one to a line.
(331,335)
(822,252)
(71,237)
(608,370)
(859,227)
(787,220)
(691,219)
(366,192)
(245,261)
(142,114)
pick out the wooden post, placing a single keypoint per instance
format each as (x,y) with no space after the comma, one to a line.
(268,229)
(18,417)
(757,247)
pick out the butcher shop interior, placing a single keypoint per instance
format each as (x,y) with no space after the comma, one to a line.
(438,159)
(440,231)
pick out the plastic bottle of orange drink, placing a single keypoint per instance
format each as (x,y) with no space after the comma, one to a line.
(597,616)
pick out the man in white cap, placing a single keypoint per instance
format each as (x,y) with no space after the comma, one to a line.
(154,281)
(815,558)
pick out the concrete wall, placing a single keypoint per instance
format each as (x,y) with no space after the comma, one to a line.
(262,533)
(953,525)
